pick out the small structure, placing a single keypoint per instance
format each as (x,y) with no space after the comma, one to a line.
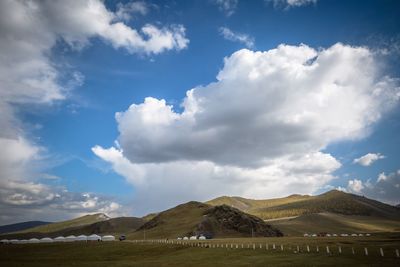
(4,241)
(354,235)
(108,238)
(94,237)
(14,241)
(185,238)
(23,241)
(367,234)
(179,238)
(59,239)
(334,235)
(46,240)
(70,238)
(33,240)
(328,235)
(193,237)
(314,235)
(81,238)
(360,235)
(306,235)
(202,237)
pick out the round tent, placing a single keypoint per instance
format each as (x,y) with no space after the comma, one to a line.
(4,241)
(33,240)
(94,237)
(59,239)
(108,238)
(14,241)
(185,238)
(193,237)
(202,237)
(81,238)
(46,240)
(23,241)
(70,238)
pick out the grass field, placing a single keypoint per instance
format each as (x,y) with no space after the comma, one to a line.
(147,253)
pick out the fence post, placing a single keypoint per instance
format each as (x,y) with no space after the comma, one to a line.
(340,250)
(308,248)
(317,248)
(281,247)
(397,253)
(327,250)
(352,251)
(254,246)
(366,251)
(298,249)
(260,246)
(273,246)
(381,251)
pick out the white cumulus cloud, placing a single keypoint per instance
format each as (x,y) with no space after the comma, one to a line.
(259,130)
(29,30)
(368,159)
(386,188)
(291,3)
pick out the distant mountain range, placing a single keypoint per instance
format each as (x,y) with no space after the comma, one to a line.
(21,226)
(334,211)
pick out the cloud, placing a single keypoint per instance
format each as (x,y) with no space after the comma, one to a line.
(368,159)
(126,11)
(237,37)
(290,3)
(227,6)
(29,30)
(386,188)
(258,131)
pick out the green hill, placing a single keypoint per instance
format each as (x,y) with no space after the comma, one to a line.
(195,218)
(333,201)
(59,226)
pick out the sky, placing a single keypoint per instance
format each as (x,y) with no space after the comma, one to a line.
(132,107)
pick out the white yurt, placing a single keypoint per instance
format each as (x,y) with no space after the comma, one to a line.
(185,238)
(33,240)
(4,241)
(368,235)
(202,237)
(14,241)
(193,237)
(59,239)
(179,238)
(46,240)
(353,234)
(108,238)
(81,238)
(70,238)
(94,237)
(23,241)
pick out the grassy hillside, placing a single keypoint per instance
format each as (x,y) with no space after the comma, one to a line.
(20,226)
(59,226)
(199,218)
(333,201)
(335,223)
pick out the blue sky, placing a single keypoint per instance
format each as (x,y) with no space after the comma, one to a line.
(71,156)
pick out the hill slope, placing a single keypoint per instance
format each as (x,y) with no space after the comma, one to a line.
(20,226)
(333,201)
(195,218)
(59,226)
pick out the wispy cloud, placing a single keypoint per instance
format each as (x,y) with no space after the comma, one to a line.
(245,39)
(227,6)
(368,159)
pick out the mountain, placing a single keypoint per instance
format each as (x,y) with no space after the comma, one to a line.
(295,205)
(58,226)
(334,211)
(195,218)
(21,226)
(87,225)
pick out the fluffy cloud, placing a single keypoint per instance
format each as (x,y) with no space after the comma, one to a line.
(29,30)
(290,3)
(237,37)
(368,159)
(227,6)
(386,188)
(126,11)
(259,130)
